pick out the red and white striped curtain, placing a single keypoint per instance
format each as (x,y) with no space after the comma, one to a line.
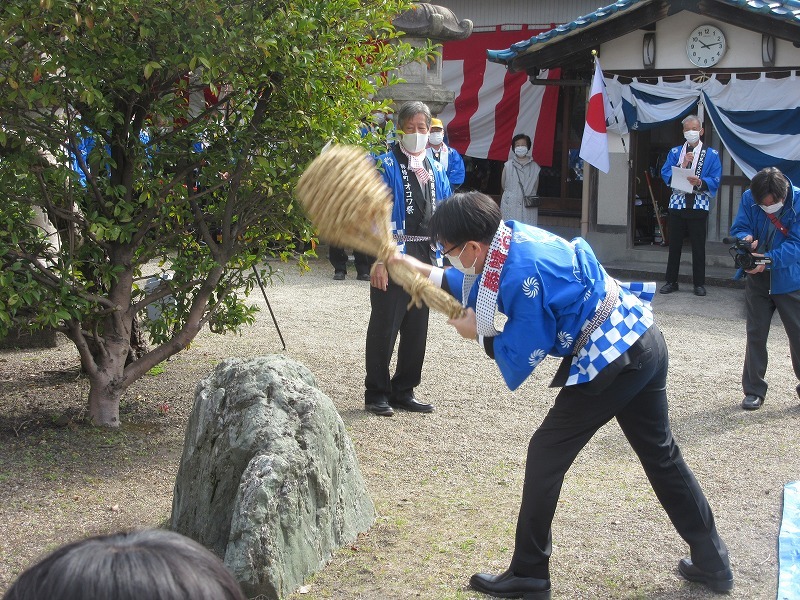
(492,105)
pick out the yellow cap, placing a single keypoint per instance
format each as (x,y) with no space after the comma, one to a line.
(436,123)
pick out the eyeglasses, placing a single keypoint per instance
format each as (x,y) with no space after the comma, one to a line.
(435,247)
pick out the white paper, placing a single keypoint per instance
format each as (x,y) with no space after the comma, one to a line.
(680,180)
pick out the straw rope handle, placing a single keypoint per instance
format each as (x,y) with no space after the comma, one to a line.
(422,291)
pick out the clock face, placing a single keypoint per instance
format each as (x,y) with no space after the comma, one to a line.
(705,46)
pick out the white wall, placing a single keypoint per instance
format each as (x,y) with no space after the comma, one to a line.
(744,47)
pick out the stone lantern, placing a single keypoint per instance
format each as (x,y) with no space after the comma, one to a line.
(421,23)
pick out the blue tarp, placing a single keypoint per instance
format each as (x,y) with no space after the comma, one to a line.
(789,544)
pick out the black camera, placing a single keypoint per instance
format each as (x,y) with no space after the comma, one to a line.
(743,255)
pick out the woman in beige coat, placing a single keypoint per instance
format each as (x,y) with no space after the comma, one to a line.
(520,178)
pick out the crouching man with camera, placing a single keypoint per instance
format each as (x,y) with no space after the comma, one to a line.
(768,219)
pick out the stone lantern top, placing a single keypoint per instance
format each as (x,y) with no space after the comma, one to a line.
(434,22)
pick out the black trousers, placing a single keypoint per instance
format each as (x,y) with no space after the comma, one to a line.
(338,258)
(696,223)
(632,390)
(761,306)
(388,319)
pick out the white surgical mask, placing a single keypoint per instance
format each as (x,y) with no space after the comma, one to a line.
(457,264)
(520,151)
(772,208)
(380,118)
(692,136)
(415,142)
(436,137)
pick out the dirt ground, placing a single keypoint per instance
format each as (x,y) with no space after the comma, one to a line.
(446,485)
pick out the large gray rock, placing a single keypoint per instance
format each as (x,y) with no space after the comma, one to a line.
(269,479)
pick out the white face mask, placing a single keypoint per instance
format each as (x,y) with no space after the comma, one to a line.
(436,137)
(520,150)
(772,208)
(380,118)
(692,136)
(414,142)
(456,262)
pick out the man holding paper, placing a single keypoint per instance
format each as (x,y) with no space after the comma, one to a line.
(692,171)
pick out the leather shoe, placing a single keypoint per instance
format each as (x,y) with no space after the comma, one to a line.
(411,404)
(752,402)
(508,585)
(668,288)
(718,581)
(339,275)
(699,290)
(363,276)
(379,407)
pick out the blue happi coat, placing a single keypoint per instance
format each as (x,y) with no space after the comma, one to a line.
(549,289)
(392,176)
(710,174)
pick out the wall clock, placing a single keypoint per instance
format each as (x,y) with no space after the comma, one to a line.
(706,46)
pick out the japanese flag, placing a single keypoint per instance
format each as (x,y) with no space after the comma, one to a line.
(594,145)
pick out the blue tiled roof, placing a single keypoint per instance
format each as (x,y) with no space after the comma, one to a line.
(788,10)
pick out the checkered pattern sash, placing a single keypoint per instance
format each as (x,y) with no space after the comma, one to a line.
(601,314)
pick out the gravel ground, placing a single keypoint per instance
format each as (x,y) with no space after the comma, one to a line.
(446,485)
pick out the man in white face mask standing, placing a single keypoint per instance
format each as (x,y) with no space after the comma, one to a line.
(449,157)
(768,219)
(689,212)
(418,185)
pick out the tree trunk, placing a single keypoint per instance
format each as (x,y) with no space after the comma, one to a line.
(107,382)
(104,404)
(138,342)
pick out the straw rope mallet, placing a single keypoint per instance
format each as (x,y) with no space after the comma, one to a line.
(350,205)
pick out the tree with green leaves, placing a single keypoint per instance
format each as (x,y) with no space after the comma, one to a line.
(162,139)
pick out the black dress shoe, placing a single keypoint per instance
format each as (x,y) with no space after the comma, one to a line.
(379,407)
(508,585)
(668,288)
(752,402)
(718,581)
(411,405)
(699,290)
(363,276)
(339,275)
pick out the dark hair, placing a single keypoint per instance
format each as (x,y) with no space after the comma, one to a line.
(464,217)
(150,564)
(769,181)
(522,136)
